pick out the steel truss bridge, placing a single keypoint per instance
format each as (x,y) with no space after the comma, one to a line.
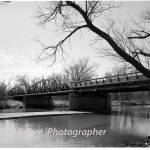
(120,83)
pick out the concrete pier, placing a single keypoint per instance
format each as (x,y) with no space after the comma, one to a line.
(18,98)
(38,101)
(92,101)
(89,102)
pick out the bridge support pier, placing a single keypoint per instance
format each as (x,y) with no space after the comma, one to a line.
(89,102)
(38,101)
(17,98)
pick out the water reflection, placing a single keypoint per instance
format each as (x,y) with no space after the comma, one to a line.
(124,125)
(134,119)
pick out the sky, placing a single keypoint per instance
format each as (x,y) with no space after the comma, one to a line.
(18,49)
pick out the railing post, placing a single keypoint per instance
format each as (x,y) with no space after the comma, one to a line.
(110,79)
(103,80)
(96,81)
(75,85)
(127,78)
(91,82)
(118,78)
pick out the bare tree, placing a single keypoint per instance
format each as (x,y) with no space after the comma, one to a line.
(56,76)
(124,69)
(73,16)
(36,79)
(141,32)
(120,70)
(23,81)
(4,87)
(81,69)
(4,2)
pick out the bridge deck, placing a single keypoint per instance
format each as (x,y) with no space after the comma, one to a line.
(127,82)
(109,81)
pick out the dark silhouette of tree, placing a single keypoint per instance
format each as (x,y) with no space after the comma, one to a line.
(73,16)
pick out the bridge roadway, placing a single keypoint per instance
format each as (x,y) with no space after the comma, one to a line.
(120,83)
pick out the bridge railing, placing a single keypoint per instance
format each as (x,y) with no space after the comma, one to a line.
(41,87)
(130,77)
(48,86)
(16,91)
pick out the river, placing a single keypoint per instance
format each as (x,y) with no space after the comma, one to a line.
(125,124)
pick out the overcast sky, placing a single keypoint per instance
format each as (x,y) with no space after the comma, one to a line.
(18,49)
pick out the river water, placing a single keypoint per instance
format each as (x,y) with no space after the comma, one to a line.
(124,125)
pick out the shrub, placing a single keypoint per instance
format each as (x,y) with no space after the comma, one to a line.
(11,104)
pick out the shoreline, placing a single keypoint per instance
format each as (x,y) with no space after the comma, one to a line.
(4,116)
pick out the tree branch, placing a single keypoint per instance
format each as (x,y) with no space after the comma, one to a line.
(139,36)
(57,48)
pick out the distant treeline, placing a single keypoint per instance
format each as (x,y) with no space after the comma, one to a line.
(142,97)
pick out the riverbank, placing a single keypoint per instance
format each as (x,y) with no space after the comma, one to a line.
(39,114)
(9,104)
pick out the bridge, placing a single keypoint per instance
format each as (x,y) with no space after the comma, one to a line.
(83,95)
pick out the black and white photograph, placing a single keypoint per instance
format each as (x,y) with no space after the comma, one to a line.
(74,74)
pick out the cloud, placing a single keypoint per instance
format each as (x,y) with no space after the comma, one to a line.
(5,59)
(16,62)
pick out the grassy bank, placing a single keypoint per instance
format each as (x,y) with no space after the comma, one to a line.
(60,101)
(6,104)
